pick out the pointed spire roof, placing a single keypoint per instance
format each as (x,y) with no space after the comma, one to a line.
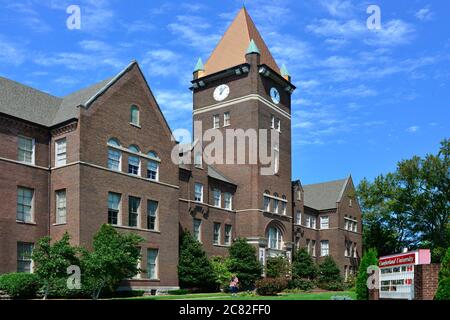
(199,66)
(284,71)
(233,46)
(253,48)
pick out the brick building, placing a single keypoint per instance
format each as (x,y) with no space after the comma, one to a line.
(104,155)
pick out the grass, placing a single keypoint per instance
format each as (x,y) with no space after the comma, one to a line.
(223,296)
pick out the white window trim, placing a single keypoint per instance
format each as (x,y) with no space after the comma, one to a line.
(201,192)
(226,118)
(328,222)
(216,117)
(218,235)
(57,164)
(220,198)
(199,238)
(231,235)
(157,170)
(231,201)
(322,247)
(156,264)
(33,155)
(32,217)
(57,198)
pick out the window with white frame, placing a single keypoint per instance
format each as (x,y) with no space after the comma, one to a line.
(152,264)
(355,251)
(324,248)
(266,204)
(61,207)
(135,116)
(61,152)
(153,170)
(298,218)
(275,203)
(152,215)
(216,121)
(134,162)
(313,222)
(347,248)
(133,211)
(113,208)
(313,248)
(275,238)
(25,204)
(198,192)
(197,229)
(325,222)
(278,124)
(198,160)
(276,158)
(25,150)
(308,246)
(24,254)
(272,122)
(226,119)
(216,233)
(283,205)
(217,198)
(355,226)
(228,200)
(228,230)
(114,155)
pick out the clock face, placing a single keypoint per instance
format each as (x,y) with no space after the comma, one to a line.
(221,92)
(275,95)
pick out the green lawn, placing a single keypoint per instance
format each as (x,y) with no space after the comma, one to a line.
(222,296)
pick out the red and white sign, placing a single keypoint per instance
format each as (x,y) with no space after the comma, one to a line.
(408,258)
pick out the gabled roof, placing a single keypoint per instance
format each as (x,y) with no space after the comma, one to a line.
(326,195)
(233,46)
(215,174)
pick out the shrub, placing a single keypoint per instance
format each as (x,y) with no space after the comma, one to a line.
(329,275)
(350,282)
(19,285)
(244,263)
(178,292)
(369,259)
(444,273)
(443,291)
(301,284)
(278,267)
(222,275)
(303,266)
(194,268)
(271,286)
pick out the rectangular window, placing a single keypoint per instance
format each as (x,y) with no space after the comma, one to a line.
(61,209)
(198,196)
(266,204)
(355,226)
(60,152)
(283,207)
(313,222)
(298,218)
(355,252)
(133,211)
(217,233)
(324,222)
(153,170)
(198,160)
(216,121)
(228,201)
(114,159)
(272,122)
(197,229)
(152,211)
(25,204)
(25,150)
(278,125)
(217,198)
(228,230)
(308,246)
(113,208)
(133,165)
(308,221)
(226,119)
(313,248)
(24,261)
(275,205)
(324,248)
(152,264)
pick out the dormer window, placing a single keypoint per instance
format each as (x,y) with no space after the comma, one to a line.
(135,116)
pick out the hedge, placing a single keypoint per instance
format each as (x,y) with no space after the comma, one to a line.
(19,285)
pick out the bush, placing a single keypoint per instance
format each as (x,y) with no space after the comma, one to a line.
(369,259)
(19,285)
(350,283)
(244,263)
(222,275)
(444,273)
(301,284)
(179,292)
(278,267)
(329,275)
(303,266)
(443,291)
(271,286)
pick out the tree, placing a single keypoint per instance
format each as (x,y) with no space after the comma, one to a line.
(370,258)
(444,273)
(410,207)
(277,267)
(194,268)
(51,263)
(244,263)
(222,275)
(443,291)
(114,257)
(329,276)
(303,266)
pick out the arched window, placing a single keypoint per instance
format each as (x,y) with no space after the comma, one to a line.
(134,115)
(275,238)
(283,205)
(134,162)
(266,201)
(153,166)
(114,155)
(275,203)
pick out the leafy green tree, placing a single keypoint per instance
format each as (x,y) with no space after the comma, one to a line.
(194,268)
(444,273)
(370,258)
(114,257)
(303,266)
(278,267)
(51,263)
(244,263)
(329,276)
(222,275)
(410,207)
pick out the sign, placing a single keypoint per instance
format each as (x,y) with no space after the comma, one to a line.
(409,258)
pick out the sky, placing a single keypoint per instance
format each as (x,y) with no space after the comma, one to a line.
(365,98)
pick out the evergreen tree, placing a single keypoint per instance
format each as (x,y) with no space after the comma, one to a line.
(444,273)
(329,276)
(278,267)
(244,263)
(303,266)
(368,259)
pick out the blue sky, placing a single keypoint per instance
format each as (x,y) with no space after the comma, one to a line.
(365,98)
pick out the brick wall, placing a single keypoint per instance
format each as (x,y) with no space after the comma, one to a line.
(426,281)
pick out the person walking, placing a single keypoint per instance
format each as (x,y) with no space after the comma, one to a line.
(234,285)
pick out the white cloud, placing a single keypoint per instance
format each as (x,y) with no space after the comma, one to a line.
(78,61)
(338,8)
(424,14)
(394,32)
(11,53)
(25,13)
(413,129)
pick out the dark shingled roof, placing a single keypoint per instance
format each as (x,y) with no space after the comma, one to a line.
(322,196)
(215,174)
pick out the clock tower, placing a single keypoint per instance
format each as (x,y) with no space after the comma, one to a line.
(241,90)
